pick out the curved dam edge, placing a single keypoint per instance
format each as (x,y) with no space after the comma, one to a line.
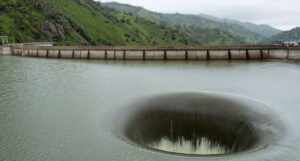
(160,53)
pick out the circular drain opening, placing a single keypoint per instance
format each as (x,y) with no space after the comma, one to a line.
(199,124)
(191,133)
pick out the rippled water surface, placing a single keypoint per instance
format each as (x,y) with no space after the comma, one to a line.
(65,109)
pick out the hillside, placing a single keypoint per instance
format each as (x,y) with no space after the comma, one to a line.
(191,22)
(72,22)
(263,30)
(85,22)
(291,35)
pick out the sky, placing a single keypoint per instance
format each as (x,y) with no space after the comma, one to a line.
(281,14)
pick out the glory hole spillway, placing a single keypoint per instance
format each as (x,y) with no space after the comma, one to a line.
(104,107)
(201,124)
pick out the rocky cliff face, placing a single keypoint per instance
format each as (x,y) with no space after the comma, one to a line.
(53,31)
(56,27)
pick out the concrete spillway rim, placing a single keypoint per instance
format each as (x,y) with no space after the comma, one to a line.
(218,94)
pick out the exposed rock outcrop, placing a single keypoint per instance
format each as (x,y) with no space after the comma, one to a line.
(53,31)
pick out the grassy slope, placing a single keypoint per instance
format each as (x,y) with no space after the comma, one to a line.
(237,32)
(263,30)
(113,28)
(95,25)
(21,19)
(291,35)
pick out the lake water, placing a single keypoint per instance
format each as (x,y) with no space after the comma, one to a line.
(56,110)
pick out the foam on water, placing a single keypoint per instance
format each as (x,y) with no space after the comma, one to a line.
(202,146)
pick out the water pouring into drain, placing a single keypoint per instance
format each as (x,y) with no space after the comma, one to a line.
(201,146)
(199,124)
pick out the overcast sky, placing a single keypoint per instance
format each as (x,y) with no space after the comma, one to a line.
(282,14)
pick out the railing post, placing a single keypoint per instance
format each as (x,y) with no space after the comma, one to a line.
(207,54)
(288,53)
(144,54)
(124,54)
(247,54)
(186,55)
(73,54)
(115,54)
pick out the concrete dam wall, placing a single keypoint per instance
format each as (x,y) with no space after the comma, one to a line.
(8,48)
(160,53)
(5,50)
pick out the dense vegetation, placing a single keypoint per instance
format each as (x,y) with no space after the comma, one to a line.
(247,33)
(21,19)
(263,30)
(292,35)
(85,22)
(71,22)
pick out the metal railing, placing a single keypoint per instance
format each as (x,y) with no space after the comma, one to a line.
(4,40)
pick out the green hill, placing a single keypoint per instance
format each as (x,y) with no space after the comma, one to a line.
(85,22)
(291,35)
(191,22)
(71,22)
(263,30)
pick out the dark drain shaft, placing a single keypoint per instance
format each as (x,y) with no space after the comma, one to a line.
(191,131)
(198,124)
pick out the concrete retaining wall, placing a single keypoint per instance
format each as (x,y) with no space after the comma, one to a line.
(17,52)
(31,53)
(77,54)
(84,54)
(265,54)
(66,54)
(155,55)
(278,54)
(238,54)
(110,55)
(94,54)
(53,53)
(120,55)
(134,55)
(41,53)
(197,54)
(294,54)
(114,53)
(218,54)
(255,54)
(6,50)
(176,55)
